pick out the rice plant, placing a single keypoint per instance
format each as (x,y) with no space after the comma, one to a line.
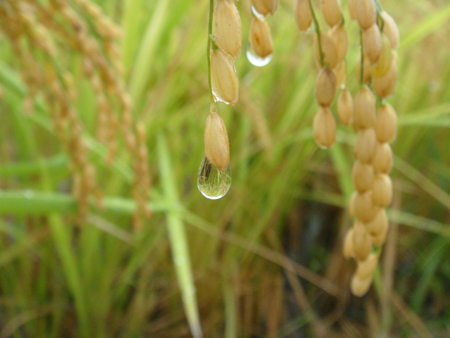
(109,107)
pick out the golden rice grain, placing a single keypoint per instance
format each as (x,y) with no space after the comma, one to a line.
(382,190)
(384,86)
(364,109)
(366,145)
(383,160)
(331,10)
(365,209)
(345,107)
(302,13)
(224,81)
(340,38)
(390,29)
(386,124)
(227,27)
(372,43)
(260,38)
(362,176)
(217,147)
(324,128)
(325,87)
(362,244)
(328,49)
(366,13)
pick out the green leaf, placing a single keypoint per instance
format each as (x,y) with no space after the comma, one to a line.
(178,239)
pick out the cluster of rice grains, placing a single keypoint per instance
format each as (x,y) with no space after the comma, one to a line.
(40,35)
(224,46)
(373,119)
(330,50)
(214,176)
(375,122)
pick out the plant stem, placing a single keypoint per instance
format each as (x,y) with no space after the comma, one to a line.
(208,50)
(361,73)
(379,10)
(319,40)
(378,5)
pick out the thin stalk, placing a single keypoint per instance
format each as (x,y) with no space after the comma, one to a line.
(379,102)
(378,5)
(361,73)
(317,27)
(208,51)
(379,16)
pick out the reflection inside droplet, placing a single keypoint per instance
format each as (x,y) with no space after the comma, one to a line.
(212,182)
(256,60)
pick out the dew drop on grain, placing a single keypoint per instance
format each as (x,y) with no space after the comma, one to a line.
(212,182)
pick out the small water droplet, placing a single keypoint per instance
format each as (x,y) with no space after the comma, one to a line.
(218,98)
(212,182)
(256,60)
(256,13)
(321,146)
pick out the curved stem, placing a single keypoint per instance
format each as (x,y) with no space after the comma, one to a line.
(378,5)
(208,51)
(379,16)
(379,102)
(319,41)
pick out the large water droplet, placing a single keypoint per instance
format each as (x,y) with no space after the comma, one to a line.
(256,60)
(212,182)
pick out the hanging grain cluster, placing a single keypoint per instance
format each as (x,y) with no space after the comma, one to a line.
(373,119)
(375,122)
(330,50)
(214,176)
(40,33)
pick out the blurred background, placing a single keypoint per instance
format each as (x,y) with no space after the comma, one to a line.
(78,260)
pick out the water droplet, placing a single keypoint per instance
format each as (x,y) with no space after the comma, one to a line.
(256,13)
(218,98)
(256,60)
(212,182)
(321,146)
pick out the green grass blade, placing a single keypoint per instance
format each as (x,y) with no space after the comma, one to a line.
(30,202)
(55,164)
(178,240)
(63,243)
(143,65)
(432,23)
(437,249)
(130,23)
(230,310)
(343,167)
